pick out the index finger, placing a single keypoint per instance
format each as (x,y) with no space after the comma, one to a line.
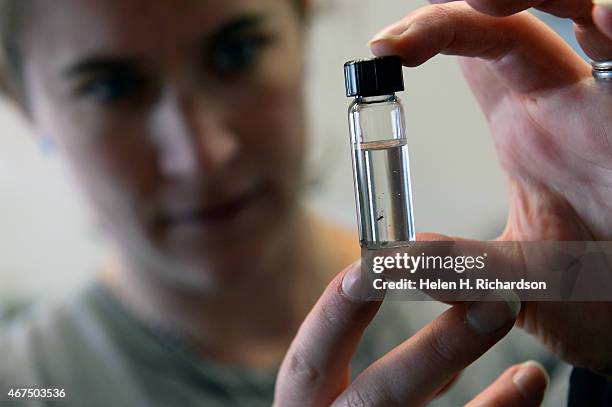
(522,52)
(316,367)
(594,43)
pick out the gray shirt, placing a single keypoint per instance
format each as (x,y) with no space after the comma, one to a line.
(100,355)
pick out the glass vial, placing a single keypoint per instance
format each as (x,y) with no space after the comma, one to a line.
(380,153)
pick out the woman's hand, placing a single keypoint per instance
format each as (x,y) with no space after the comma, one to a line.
(316,369)
(552,127)
(602,17)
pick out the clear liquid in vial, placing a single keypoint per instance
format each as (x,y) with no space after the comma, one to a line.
(384,193)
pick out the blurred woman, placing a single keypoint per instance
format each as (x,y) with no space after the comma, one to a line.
(184,125)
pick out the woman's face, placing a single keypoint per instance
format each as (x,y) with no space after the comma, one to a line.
(181,119)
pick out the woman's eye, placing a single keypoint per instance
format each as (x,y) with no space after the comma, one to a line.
(108,88)
(237,55)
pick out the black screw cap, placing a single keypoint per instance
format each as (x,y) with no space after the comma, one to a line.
(374,77)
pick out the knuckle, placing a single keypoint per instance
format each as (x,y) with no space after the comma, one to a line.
(370,395)
(441,11)
(357,398)
(335,315)
(423,16)
(329,314)
(443,350)
(302,371)
(443,16)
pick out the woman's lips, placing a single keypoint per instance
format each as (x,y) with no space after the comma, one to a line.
(216,214)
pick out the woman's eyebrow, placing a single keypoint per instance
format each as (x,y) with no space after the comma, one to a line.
(236,26)
(100,64)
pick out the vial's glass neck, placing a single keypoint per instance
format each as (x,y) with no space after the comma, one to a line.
(376,99)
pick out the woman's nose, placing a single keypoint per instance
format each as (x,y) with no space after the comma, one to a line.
(190,136)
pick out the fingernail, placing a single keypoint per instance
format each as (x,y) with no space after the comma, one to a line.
(493,312)
(531,380)
(354,285)
(603,3)
(382,47)
(381,42)
(391,32)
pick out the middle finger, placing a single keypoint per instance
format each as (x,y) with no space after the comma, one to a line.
(417,369)
(594,43)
